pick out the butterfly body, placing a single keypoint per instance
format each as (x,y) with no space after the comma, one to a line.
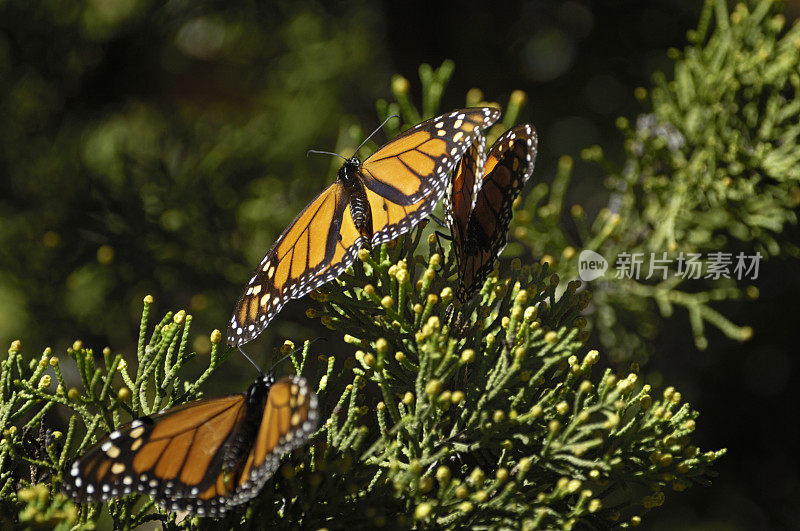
(360,210)
(235,451)
(203,457)
(371,202)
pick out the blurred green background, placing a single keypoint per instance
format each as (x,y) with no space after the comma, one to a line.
(159,148)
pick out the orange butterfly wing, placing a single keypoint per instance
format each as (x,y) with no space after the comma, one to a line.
(167,456)
(507,168)
(318,245)
(202,457)
(463,189)
(289,417)
(405,178)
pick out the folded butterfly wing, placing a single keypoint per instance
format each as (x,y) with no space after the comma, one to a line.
(508,167)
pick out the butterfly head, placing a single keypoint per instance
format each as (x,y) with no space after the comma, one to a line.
(259,389)
(348,173)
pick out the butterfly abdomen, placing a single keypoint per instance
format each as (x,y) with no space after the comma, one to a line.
(361,212)
(239,446)
(360,208)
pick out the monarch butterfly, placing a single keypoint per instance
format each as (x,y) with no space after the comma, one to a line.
(478,205)
(387,194)
(203,457)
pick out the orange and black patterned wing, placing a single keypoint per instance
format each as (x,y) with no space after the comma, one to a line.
(172,456)
(462,191)
(508,166)
(204,457)
(319,244)
(290,416)
(406,177)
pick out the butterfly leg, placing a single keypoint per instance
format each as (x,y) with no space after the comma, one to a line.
(443,235)
(439,237)
(437,220)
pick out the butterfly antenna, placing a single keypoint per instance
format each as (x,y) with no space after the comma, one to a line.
(324,153)
(375,131)
(251,361)
(306,344)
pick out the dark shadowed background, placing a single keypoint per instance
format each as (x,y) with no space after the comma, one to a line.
(159,148)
